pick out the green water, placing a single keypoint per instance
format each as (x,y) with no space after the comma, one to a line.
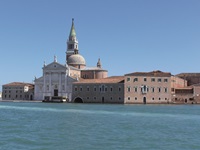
(46,126)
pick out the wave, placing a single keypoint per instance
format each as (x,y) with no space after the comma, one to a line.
(103,112)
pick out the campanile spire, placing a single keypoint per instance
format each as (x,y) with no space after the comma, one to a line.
(72,42)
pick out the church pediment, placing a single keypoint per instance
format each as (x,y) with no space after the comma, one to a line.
(55,66)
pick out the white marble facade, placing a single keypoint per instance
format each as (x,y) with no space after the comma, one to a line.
(54,82)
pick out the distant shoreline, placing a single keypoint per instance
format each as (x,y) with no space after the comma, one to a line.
(40,101)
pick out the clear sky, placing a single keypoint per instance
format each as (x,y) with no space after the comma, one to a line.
(127,35)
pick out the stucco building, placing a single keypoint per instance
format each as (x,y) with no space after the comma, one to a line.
(147,87)
(56,82)
(106,90)
(18,91)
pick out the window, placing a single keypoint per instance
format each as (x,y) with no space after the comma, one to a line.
(88,98)
(106,89)
(129,98)
(144,89)
(75,89)
(47,87)
(119,98)
(135,79)
(88,89)
(81,89)
(165,80)
(159,80)
(152,89)
(159,98)
(111,89)
(153,98)
(111,98)
(119,89)
(135,89)
(152,79)
(159,89)
(129,89)
(165,90)
(94,98)
(165,98)
(145,79)
(128,79)
(95,89)
(135,98)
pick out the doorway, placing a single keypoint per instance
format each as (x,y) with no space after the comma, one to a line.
(144,100)
(102,99)
(56,92)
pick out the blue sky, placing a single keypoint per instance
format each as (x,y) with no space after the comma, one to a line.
(128,35)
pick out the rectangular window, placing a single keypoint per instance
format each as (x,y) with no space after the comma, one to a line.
(81,89)
(145,79)
(88,89)
(106,89)
(159,80)
(135,79)
(129,98)
(165,90)
(75,88)
(135,89)
(165,80)
(152,79)
(95,89)
(47,87)
(119,89)
(128,89)
(159,90)
(135,98)
(152,89)
(128,79)
(111,89)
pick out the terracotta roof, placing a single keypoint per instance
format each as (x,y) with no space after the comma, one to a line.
(18,84)
(156,73)
(114,79)
(188,74)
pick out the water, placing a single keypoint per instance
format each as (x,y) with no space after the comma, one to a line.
(47,126)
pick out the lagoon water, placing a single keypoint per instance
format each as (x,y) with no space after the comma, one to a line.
(47,126)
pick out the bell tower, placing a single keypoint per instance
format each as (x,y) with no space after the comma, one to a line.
(72,42)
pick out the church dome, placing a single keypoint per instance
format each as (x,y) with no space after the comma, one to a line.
(76,59)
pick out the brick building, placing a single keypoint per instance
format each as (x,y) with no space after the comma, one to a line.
(147,87)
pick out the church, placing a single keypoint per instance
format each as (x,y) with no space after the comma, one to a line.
(57,79)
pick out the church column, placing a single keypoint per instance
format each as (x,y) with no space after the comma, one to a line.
(50,84)
(60,84)
(44,85)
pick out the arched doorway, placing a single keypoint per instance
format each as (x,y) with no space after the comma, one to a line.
(78,100)
(144,100)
